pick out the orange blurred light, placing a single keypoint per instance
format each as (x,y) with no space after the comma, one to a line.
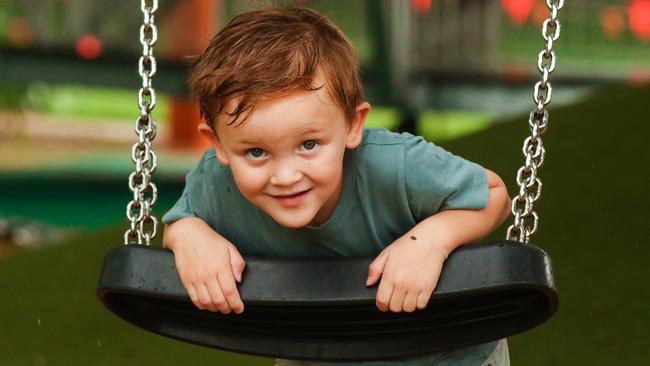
(518,10)
(20,33)
(639,77)
(639,18)
(421,6)
(612,21)
(514,74)
(541,12)
(88,47)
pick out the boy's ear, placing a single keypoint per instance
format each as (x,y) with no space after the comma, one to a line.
(355,133)
(208,133)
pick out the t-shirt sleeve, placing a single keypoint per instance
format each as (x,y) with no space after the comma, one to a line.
(437,180)
(190,202)
(181,208)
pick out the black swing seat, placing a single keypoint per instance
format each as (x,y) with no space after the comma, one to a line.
(320,308)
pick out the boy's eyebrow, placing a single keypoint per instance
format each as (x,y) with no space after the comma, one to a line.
(306,131)
(311,129)
(246,142)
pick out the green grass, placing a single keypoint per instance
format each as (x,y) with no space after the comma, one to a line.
(383,117)
(594,224)
(449,125)
(433,124)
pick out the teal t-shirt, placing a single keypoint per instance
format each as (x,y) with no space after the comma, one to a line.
(390,183)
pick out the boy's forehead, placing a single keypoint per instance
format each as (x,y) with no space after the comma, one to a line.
(320,91)
(309,107)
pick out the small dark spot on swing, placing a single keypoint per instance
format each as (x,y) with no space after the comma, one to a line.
(228,189)
(413,238)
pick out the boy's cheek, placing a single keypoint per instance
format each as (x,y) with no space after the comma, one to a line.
(248,181)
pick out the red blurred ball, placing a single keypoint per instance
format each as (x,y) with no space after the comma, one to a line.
(421,6)
(639,18)
(88,47)
(518,10)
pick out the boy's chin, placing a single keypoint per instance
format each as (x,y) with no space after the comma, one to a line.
(294,221)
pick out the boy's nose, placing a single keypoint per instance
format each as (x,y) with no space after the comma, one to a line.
(286,175)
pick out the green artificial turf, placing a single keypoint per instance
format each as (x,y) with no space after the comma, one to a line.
(594,225)
(49,314)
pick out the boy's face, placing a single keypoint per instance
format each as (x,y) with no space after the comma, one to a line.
(287,156)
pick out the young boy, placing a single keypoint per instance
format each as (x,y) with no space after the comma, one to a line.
(293,172)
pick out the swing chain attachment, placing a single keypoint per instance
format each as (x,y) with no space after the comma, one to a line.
(143,225)
(530,185)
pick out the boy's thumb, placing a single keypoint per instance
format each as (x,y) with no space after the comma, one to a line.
(237,263)
(376,268)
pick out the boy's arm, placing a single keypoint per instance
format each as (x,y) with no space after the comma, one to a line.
(411,265)
(452,228)
(207,263)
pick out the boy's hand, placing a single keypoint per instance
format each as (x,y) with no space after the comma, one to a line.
(208,266)
(410,268)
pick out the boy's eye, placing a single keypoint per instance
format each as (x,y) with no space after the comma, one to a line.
(309,145)
(256,153)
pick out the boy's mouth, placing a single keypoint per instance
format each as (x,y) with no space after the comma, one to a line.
(292,199)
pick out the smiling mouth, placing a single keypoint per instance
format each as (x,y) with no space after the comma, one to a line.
(290,196)
(292,200)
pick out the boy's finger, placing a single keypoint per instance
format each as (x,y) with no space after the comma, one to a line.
(397,299)
(383,295)
(410,302)
(217,300)
(204,297)
(423,300)
(192,294)
(230,292)
(237,263)
(376,268)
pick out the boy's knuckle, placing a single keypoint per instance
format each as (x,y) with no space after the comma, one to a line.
(200,272)
(200,276)
(228,291)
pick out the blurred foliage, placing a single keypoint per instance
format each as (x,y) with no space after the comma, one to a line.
(12,95)
(79,101)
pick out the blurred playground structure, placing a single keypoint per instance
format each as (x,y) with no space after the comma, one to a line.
(420,57)
(441,68)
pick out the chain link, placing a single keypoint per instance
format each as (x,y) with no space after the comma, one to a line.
(530,185)
(143,226)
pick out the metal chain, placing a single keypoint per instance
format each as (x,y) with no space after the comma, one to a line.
(530,186)
(143,225)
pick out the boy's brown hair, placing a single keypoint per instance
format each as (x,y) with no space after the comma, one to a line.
(266,53)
